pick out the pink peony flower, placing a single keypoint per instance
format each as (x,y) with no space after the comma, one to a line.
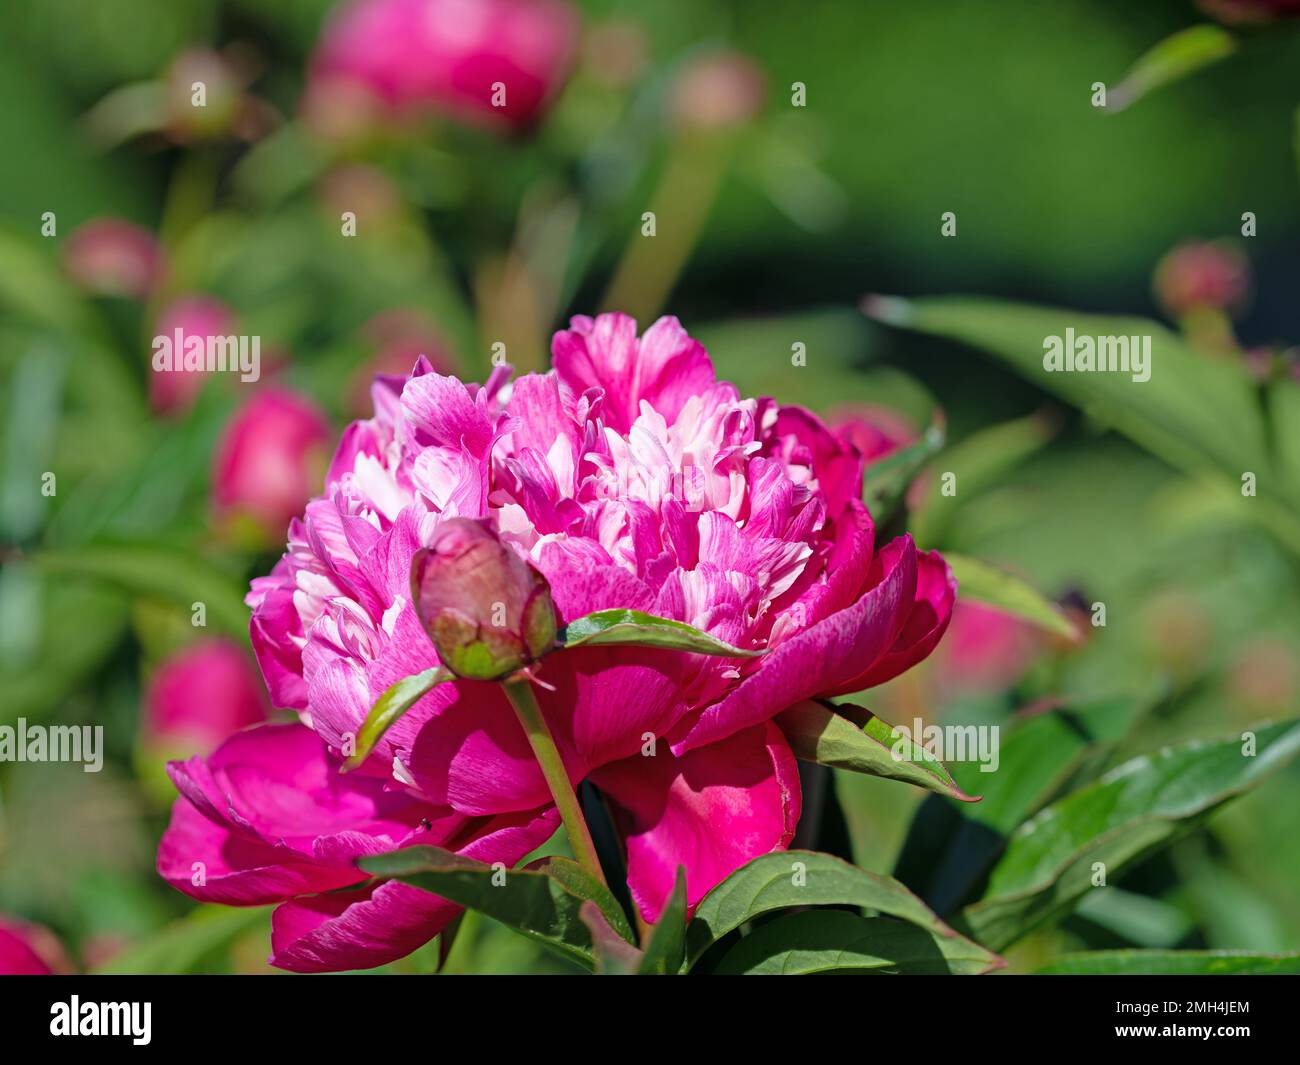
(454,56)
(113,257)
(630,478)
(200,695)
(986,649)
(268,458)
(173,392)
(30,950)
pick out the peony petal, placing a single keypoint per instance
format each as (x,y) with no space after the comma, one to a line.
(711,810)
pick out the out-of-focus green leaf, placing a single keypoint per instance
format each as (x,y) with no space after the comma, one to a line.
(806,878)
(886,479)
(833,941)
(666,949)
(1173,963)
(1052,859)
(154,570)
(978,462)
(390,706)
(543,901)
(819,734)
(1174,58)
(633,628)
(185,944)
(985,583)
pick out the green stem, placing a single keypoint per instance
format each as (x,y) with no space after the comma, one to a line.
(520,694)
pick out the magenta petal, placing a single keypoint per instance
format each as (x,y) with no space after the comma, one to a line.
(356,929)
(936,592)
(819,659)
(711,810)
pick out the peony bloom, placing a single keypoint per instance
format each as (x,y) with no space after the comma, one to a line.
(200,695)
(986,649)
(30,950)
(482,61)
(268,458)
(631,478)
(173,392)
(113,257)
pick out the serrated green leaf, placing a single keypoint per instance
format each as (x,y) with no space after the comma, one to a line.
(984,583)
(1137,807)
(543,900)
(806,878)
(1173,963)
(637,629)
(390,706)
(819,734)
(833,941)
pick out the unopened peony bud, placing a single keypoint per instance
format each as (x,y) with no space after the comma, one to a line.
(112,257)
(488,612)
(1199,275)
(717,91)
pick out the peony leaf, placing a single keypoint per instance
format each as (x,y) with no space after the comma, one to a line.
(392,705)
(1177,56)
(806,878)
(819,733)
(1173,963)
(634,628)
(833,941)
(614,955)
(984,583)
(1134,809)
(665,951)
(543,900)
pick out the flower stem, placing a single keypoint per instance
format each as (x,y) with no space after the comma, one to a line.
(520,694)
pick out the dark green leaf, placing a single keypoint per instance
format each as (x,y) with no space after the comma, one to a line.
(666,949)
(830,941)
(805,878)
(819,734)
(1139,806)
(543,901)
(637,629)
(390,706)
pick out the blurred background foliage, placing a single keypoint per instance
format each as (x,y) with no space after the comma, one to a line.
(770,232)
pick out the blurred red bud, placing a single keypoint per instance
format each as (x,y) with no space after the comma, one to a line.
(716,91)
(199,696)
(1201,274)
(113,257)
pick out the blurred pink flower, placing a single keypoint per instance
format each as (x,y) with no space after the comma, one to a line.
(986,650)
(173,392)
(1199,274)
(874,431)
(455,56)
(629,477)
(201,695)
(269,457)
(399,337)
(30,950)
(113,257)
(717,90)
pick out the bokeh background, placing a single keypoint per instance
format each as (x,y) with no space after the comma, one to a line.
(773,222)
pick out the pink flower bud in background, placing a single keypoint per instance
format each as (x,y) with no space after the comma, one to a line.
(1201,274)
(717,91)
(113,257)
(173,392)
(270,459)
(199,696)
(484,61)
(30,950)
(874,431)
(488,612)
(986,650)
(1246,11)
